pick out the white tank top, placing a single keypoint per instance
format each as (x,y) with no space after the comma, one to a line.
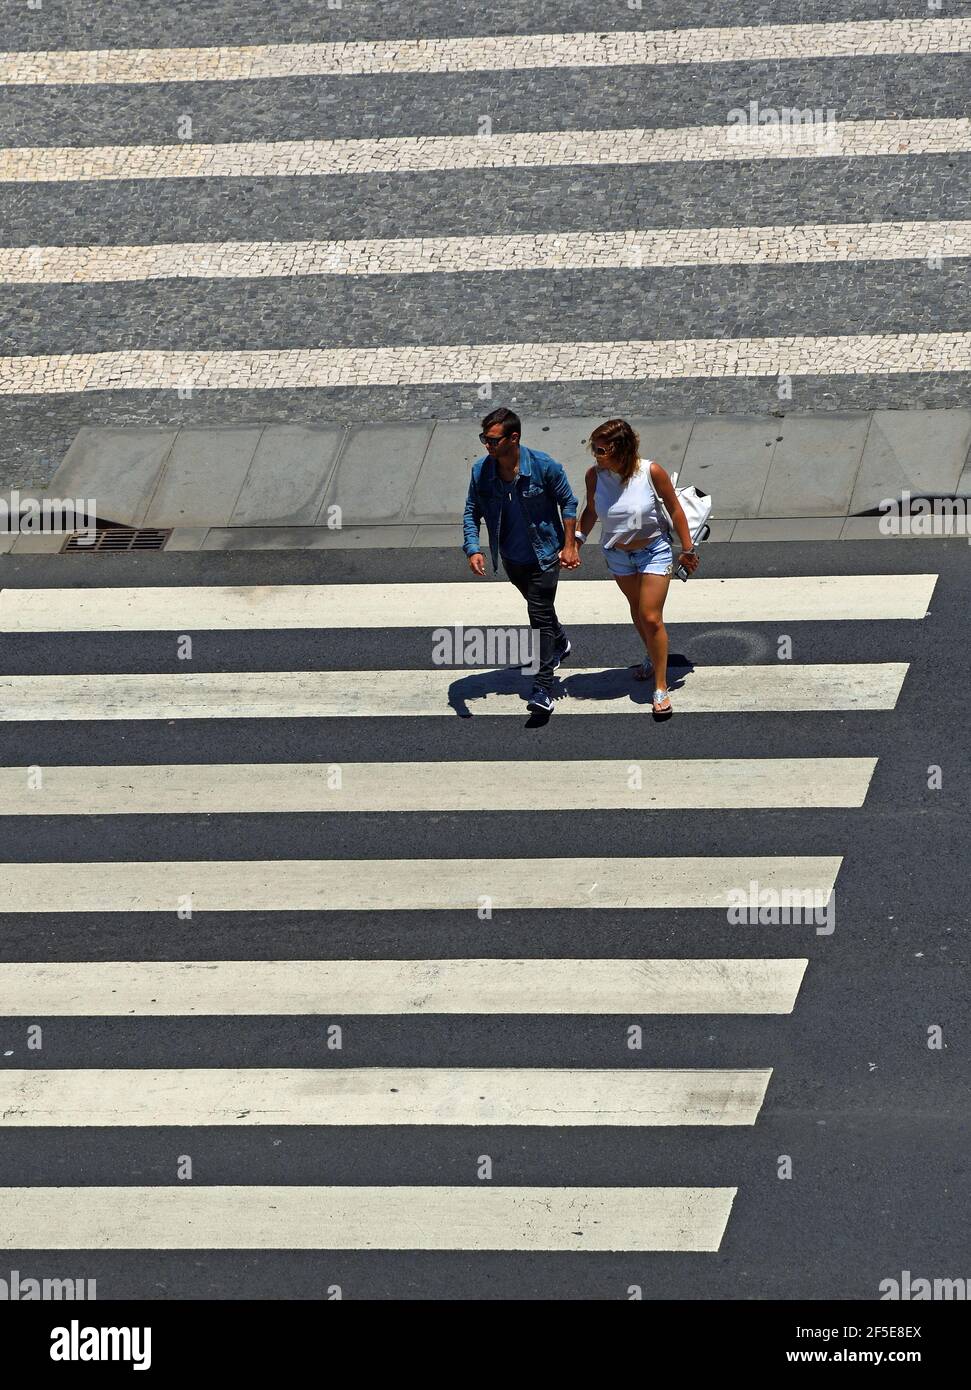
(628,513)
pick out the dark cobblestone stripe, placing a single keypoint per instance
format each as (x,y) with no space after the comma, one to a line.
(381,106)
(540,306)
(132,23)
(490,202)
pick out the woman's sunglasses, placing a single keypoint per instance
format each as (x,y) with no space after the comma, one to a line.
(599,450)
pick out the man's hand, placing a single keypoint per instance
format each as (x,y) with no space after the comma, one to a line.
(570,557)
(477,564)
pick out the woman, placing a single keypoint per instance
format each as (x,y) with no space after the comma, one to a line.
(623,491)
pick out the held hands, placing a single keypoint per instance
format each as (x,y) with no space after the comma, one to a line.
(570,557)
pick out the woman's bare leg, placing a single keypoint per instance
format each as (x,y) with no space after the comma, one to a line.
(653,592)
(630,587)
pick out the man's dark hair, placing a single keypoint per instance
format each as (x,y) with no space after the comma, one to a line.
(508,419)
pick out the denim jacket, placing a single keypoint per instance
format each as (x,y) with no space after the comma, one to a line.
(543,489)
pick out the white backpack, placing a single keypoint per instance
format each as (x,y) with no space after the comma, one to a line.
(696,506)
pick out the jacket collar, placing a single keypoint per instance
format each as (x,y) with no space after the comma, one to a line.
(525,463)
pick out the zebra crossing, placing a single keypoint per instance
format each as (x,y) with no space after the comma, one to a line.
(245,1095)
(161,237)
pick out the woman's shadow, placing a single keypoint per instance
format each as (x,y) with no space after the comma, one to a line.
(614,683)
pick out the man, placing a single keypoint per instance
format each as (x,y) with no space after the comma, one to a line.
(522,494)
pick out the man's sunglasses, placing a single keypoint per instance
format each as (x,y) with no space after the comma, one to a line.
(492,439)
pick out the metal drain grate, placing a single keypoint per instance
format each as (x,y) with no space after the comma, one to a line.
(116,539)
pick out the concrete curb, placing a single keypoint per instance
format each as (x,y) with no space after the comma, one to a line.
(402,486)
(818,466)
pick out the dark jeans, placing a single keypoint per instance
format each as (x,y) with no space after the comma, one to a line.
(538,588)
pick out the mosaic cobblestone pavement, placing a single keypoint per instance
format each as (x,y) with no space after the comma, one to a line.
(389,211)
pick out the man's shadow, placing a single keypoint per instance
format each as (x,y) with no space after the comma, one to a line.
(613,683)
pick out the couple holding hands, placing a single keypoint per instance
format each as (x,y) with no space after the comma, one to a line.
(530,513)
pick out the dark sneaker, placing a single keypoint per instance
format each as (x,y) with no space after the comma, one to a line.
(561,651)
(541,701)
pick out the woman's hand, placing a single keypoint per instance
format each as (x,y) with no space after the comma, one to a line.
(570,557)
(689,559)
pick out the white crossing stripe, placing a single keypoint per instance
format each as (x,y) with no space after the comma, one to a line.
(514,150)
(671,359)
(584,785)
(373,885)
(248,1096)
(63,989)
(449,693)
(484,1217)
(471,603)
(679,246)
(489,53)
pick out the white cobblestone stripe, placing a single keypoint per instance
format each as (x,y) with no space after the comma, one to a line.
(657,360)
(678,246)
(814,138)
(489,53)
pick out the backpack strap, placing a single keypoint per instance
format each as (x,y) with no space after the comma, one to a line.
(662,511)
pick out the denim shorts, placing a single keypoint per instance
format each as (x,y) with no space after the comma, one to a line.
(656,557)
